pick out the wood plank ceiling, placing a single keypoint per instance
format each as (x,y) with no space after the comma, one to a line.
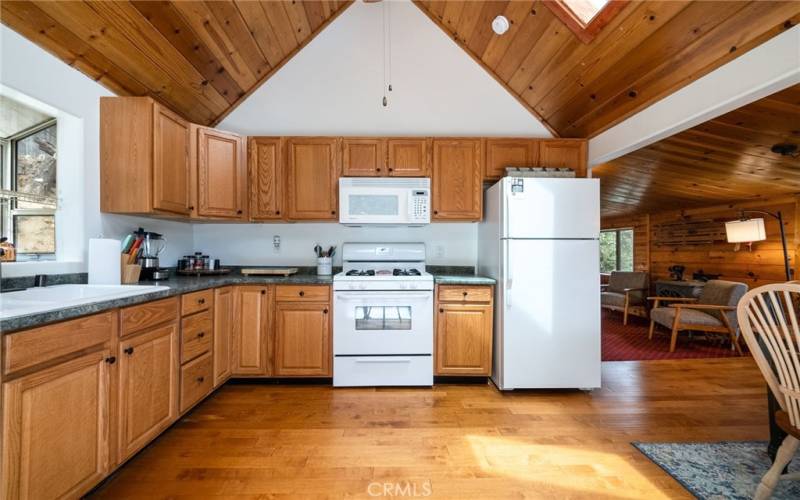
(723,160)
(647,51)
(199,58)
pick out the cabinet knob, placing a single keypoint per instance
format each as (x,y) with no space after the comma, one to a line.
(465,294)
(238,212)
(333,212)
(277,212)
(200,379)
(201,301)
(263,292)
(302,293)
(128,351)
(191,208)
(324,311)
(111,360)
(441,310)
(201,335)
(378,169)
(391,169)
(435,212)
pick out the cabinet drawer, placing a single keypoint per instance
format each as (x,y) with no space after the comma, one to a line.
(196,381)
(39,345)
(311,293)
(465,293)
(196,335)
(197,301)
(137,318)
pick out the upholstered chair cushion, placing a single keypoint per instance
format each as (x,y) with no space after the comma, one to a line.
(665,316)
(723,293)
(620,280)
(612,299)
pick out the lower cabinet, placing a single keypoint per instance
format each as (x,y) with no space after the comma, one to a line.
(250,332)
(464,324)
(303,334)
(56,429)
(148,387)
(223,334)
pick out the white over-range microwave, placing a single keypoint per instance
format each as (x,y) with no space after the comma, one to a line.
(401,201)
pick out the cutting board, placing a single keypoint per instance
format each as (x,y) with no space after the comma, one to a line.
(269,271)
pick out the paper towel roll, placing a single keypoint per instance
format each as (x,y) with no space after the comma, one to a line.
(104,261)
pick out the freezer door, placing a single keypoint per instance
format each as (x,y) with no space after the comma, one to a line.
(551,208)
(551,314)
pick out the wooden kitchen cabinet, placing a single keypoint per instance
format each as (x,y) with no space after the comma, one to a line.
(464,330)
(457,179)
(219,187)
(408,157)
(303,332)
(144,158)
(148,387)
(56,429)
(312,182)
(266,177)
(509,152)
(570,153)
(223,334)
(250,332)
(363,157)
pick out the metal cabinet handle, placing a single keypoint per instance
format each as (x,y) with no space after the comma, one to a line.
(201,301)
(128,351)
(111,360)
(201,335)
(200,379)
(302,293)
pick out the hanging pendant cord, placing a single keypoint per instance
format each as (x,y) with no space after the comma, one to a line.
(385,101)
(389,36)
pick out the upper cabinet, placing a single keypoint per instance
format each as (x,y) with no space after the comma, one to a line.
(408,157)
(219,189)
(144,158)
(266,178)
(503,153)
(363,157)
(457,181)
(570,153)
(312,182)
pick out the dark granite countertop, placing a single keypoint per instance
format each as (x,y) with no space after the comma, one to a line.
(179,285)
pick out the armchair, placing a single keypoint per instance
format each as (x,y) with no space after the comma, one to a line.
(714,311)
(625,292)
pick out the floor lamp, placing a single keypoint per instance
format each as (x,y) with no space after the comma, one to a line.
(747,230)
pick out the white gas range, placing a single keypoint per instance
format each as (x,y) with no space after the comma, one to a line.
(383,316)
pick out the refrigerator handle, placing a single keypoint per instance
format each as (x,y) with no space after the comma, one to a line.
(506,215)
(508,279)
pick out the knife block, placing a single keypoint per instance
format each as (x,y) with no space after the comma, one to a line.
(130,272)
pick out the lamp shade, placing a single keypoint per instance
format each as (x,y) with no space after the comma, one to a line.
(745,231)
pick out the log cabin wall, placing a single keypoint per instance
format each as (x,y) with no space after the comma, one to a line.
(759,266)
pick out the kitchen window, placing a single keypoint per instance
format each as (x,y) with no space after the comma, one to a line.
(616,250)
(28,195)
(586,18)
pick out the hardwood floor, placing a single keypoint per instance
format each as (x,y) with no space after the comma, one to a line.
(289,441)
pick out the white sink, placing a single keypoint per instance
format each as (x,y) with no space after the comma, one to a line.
(51,298)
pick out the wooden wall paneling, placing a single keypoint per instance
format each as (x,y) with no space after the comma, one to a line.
(260,28)
(641,237)
(266,176)
(515,12)
(281,24)
(235,28)
(298,18)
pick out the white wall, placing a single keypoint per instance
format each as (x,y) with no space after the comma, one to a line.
(29,70)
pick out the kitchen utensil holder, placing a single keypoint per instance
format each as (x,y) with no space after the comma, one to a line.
(324,266)
(130,272)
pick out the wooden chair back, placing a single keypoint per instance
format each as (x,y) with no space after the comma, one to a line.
(768,318)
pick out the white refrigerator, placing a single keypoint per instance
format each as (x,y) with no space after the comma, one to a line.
(540,240)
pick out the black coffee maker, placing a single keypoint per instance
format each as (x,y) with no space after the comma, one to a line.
(676,272)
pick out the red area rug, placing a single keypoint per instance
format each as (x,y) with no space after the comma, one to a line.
(630,343)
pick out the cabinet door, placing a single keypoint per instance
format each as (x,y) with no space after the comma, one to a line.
(302,340)
(313,177)
(502,153)
(464,340)
(56,430)
(266,178)
(148,387)
(250,353)
(223,333)
(457,188)
(569,153)
(407,157)
(221,175)
(363,157)
(170,161)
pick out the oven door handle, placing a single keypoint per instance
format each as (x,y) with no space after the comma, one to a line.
(377,296)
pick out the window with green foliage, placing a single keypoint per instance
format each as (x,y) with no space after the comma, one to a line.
(616,250)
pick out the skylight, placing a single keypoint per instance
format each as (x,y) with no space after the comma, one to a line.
(585,10)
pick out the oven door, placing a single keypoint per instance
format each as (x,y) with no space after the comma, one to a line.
(383,322)
(372,205)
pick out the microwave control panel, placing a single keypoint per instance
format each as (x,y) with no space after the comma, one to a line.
(419,210)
